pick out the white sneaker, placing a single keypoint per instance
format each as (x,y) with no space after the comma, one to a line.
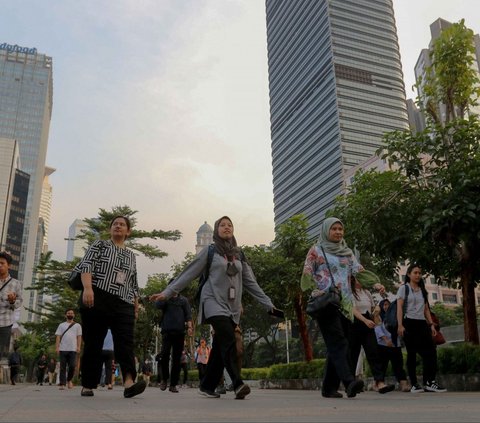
(416,389)
(433,386)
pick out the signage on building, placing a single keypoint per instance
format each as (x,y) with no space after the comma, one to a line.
(19,49)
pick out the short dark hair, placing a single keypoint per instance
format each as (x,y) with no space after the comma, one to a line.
(127,220)
(68,309)
(6,256)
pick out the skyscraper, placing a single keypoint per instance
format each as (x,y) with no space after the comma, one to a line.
(76,247)
(336,86)
(25,111)
(8,165)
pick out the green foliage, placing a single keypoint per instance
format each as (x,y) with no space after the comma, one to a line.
(299,370)
(460,359)
(448,316)
(255,373)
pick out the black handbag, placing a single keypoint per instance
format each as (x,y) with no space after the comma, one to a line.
(330,300)
(75,281)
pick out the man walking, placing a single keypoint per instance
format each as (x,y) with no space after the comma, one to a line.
(68,342)
(176,314)
(10,299)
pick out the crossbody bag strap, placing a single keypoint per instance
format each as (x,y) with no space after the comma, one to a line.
(66,330)
(6,283)
(328,266)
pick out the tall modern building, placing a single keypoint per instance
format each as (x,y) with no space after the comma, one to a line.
(16,222)
(76,247)
(46,204)
(8,164)
(25,111)
(336,87)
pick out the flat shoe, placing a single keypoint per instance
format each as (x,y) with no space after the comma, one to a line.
(242,391)
(86,392)
(386,388)
(135,389)
(334,394)
(355,388)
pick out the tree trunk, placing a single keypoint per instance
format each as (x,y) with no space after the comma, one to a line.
(469,308)
(302,327)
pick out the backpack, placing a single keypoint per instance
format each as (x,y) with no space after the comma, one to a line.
(390,320)
(204,276)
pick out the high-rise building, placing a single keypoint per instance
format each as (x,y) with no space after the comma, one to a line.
(25,110)
(8,164)
(16,222)
(336,87)
(76,247)
(46,204)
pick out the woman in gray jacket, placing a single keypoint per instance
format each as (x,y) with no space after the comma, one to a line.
(221,304)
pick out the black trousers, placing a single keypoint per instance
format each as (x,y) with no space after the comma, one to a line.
(363,336)
(172,345)
(393,355)
(107,362)
(223,354)
(335,328)
(111,312)
(418,340)
(68,361)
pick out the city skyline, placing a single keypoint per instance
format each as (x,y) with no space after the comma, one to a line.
(163,106)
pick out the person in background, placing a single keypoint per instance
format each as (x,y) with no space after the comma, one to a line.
(10,299)
(202,353)
(331,261)
(147,370)
(417,329)
(109,300)
(387,349)
(184,359)
(15,363)
(362,333)
(68,340)
(177,316)
(107,358)
(41,369)
(220,303)
(51,366)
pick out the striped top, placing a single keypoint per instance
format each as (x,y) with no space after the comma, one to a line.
(113,269)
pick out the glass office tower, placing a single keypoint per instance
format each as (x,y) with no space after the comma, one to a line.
(336,86)
(25,112)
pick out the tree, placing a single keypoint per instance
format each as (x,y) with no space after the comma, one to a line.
(429,204)
(291,245)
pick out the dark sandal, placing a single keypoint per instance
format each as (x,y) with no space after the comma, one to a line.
(386,388)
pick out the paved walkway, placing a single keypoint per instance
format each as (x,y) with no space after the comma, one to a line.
(31,403)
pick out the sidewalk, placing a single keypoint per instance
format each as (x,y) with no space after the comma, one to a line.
(31,403)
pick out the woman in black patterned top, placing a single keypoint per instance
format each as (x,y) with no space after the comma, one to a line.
(109,300)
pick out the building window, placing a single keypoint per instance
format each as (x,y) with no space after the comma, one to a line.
(450,298)
(434,296)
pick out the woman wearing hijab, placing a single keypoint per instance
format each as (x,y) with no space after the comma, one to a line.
(328,262)
(221,304)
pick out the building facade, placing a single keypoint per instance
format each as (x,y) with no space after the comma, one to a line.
(25,111)
(16,221)
(76,247)
(8,164)
(336,87)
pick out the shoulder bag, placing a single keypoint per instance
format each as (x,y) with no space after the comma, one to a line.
(327,301)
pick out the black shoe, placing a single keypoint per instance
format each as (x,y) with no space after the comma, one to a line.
(173,389)
(334,394)
(163,385)
(221,390)
(242,391)
(386,388)
(135,389)
(86,392)
(354,388)
(207,393)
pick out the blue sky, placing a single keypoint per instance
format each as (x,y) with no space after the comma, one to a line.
(163,105)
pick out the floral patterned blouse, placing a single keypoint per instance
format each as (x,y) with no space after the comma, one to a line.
(317,276)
